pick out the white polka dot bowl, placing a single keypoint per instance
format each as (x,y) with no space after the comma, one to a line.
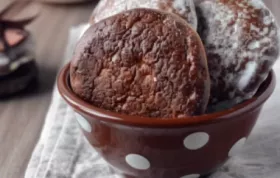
(139,147)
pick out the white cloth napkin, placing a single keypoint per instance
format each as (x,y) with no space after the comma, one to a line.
(63,152)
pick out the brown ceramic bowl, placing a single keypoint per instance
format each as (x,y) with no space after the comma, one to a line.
(166,148)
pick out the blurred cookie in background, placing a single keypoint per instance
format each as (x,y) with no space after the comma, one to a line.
(17,59)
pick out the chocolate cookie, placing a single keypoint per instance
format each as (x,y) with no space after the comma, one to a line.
(242,44)
(142,62)
(183,8)
(17,65)
(15,42)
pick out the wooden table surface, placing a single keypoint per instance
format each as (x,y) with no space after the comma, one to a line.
(22,117)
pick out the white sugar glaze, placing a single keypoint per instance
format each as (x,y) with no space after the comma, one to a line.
(184,8)
(242,43)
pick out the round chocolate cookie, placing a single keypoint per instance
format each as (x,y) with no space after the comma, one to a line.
(183,8)
(242,44)
(142,62)
(18,80)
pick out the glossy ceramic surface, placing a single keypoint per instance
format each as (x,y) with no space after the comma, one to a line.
(170,148)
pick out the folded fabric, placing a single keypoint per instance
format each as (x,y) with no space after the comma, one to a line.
(63,151)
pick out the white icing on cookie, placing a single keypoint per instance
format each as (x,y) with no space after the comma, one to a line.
(249,72)
(254,45)
(258,4)
(241,41)
(184,8)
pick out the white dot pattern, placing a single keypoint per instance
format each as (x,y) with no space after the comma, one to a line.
(137,162)
(83,123)
(237,147)
(196,140)
(191,176)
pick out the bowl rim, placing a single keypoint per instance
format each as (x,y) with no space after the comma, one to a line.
(86,108)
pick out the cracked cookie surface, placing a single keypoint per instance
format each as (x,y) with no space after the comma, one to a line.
(142,62)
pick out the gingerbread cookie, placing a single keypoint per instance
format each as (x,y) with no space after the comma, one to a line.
(183,8)
(242,44)
(142,62)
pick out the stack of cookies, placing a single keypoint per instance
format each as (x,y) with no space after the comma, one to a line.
(17,65)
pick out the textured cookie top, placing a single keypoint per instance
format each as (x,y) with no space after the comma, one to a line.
(183,8)
(142,62)
(241,41)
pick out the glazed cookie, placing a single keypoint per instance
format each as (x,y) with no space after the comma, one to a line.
(242,44)
(142,62)
(183,8)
